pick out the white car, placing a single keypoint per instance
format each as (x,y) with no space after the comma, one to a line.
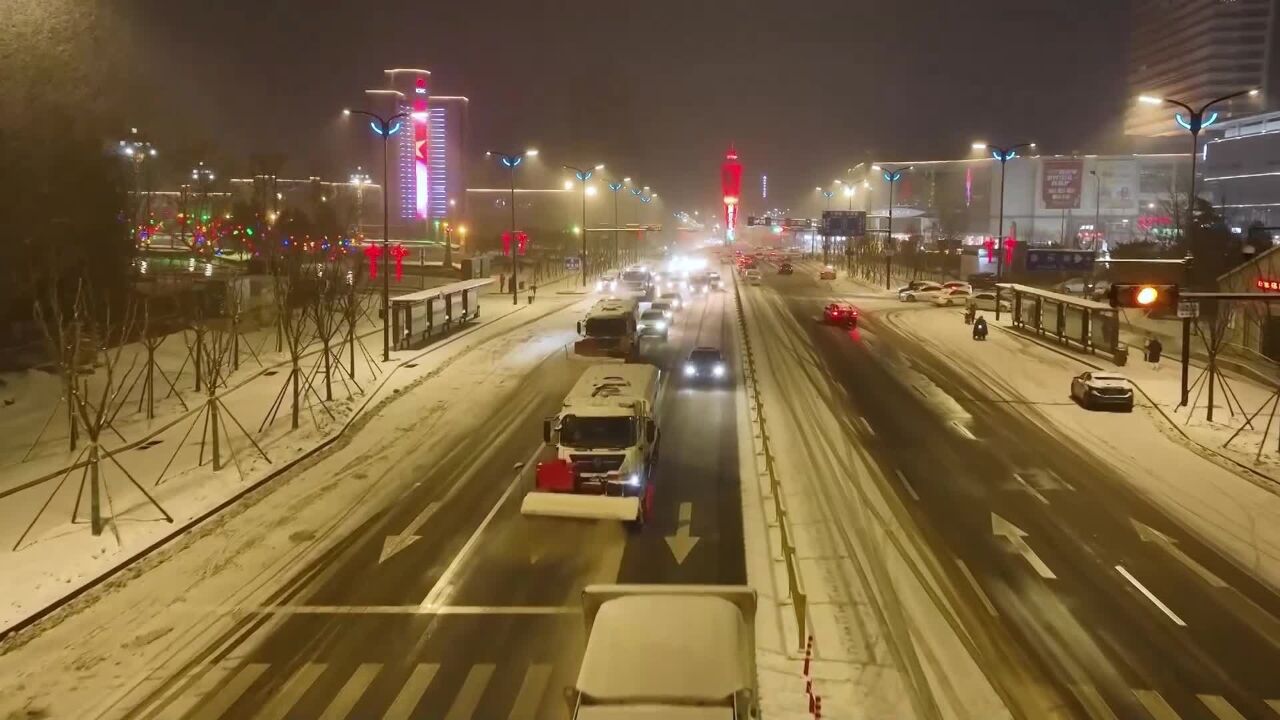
(952,296)
(753,276)
(665,306)
(927,291)
(607,283)
(654,323)
(957,285)
(1094,390)
(986,300)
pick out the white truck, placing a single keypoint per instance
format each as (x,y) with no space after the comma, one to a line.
(610,329)
(675,652)
(606,443)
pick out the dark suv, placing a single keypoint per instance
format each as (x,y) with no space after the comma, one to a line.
(705,363)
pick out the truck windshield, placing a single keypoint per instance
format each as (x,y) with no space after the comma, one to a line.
(606,327)
(597,432)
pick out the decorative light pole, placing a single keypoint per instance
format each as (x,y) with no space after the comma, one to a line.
(614,187)
(1004,155)
(385,127)
(1194,122)
(137,151)
(891,177)
(583,176)
(511,161)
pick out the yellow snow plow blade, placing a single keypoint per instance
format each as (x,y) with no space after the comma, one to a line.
(583,507)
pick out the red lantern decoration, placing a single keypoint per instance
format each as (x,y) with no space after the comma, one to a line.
(398,253)
(373,252)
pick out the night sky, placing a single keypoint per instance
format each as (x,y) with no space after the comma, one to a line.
(656,89)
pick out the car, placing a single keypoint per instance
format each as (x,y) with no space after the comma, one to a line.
(914,285)
(699,285)
(953,284)
(665,306)
(785,269)
(928,291)
(953,296)
(607,283)
(674,298)
(839,313)
(984,280)
(654,323)
(986,300)
(753,276)
(705,363)
(714,281)
(1095,390)
(827,273)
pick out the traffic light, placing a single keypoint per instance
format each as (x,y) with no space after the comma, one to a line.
(1143,296)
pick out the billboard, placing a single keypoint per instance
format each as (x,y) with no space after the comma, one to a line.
(1119,185)
(1061,184)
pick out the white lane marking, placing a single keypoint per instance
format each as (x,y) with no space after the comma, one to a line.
(408,610)
(866,425)
(407,699)
(963,430)
(973,582)
(351,692)
(1092,700)
(1150,596)
(227,696)
(445,582)
(292,691)
(1219,706)
(1155,704)
(1030,488)
(1274,705)
(1017,538)
(465,702)
(532,689)
(907,484)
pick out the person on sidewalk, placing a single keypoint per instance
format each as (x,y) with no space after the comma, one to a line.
(1153,349)
(533,290)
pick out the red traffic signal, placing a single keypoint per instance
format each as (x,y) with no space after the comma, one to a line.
(1146,295)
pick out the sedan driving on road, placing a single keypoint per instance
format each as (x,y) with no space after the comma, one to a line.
(785,269)
(673,298)
(1096,390)
(654,323)
(838,313)
(952,296)
(753,276)
(705,363)
(828,273)
(928,291)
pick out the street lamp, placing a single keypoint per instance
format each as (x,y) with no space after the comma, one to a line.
(614,187)
(137,150)
(511,161)
(583,176)
(1194,122)
(812,236)
(385,127)
(1004,155)
(891,177)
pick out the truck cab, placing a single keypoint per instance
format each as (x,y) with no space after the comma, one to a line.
(610,329)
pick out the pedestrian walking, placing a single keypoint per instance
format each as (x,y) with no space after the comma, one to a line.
(533,290)
(1153,350)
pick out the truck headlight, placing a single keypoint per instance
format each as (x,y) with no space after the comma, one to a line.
(634,480)
(718,370)
(690,369)
(599,285)
(660,325)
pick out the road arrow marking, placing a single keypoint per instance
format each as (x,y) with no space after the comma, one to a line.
(395,543)
(1031,489)
(1150,534)
(1003,528)
(682,542)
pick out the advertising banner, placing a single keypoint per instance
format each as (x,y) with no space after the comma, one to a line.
(1063,180)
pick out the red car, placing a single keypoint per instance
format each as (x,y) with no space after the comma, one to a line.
(827,273)
(841,314)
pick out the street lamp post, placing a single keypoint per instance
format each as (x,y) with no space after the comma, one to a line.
(511,161)
(385,127)
(1194,122)
(583,176)
(826,194)
(137,151)
(1004,155)
(614,187)
(891,177)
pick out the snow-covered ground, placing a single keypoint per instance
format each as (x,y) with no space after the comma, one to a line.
(887,640)
(155,614)
(1229,508)
(56,556)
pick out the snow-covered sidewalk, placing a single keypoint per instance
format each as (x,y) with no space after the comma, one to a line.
(57,558)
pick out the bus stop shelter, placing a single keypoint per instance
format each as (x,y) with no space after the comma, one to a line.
(418,316)
(1073,321)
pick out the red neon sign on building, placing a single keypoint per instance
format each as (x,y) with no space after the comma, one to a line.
(731,188)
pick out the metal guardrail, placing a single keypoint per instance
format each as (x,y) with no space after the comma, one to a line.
(795,585)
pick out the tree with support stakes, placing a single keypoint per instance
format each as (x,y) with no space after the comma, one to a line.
(97,330)
(293,291)
(152,336)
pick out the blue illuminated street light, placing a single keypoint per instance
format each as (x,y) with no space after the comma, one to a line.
(583,176)
(614,187)
(891,177)
(384,127)
(511,161)
(1004,155)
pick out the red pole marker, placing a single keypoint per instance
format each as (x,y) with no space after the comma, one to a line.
(817,711)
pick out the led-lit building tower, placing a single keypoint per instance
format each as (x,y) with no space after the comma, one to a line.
(731,188)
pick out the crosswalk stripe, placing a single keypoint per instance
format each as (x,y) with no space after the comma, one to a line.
(464,705)
(1219,706)
(1274,705)
(531,691)
(1155,704)
(292,692)
(1093,702)
(351,691)
(411,693)
(231,692)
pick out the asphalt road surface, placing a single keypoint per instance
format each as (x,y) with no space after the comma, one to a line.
(451,604)
(1103,606)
